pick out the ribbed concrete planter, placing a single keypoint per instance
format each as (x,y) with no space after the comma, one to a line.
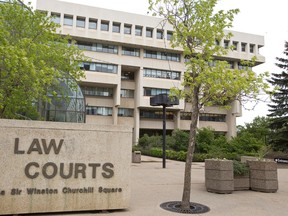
(241,182)
(263,176)
(219,176)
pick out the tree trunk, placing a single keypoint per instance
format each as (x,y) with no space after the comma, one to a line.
(185,204)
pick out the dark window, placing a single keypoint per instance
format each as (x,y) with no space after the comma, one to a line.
(169,35)
(243,47)
(104,25)
(80,22)
(138,30)
(127,93)
(125,112)
(68,20)
(55,17)
(156,73)
(127,29)
(95,110)
(185,115)
(226,44)
(127,75)
(235,45)
(116,27)
(99,67)
(162,55)
(97,91)
(252,47)
(92,23)
(149,32)
(130,51)
(151,114)
(155,91)
(212,117)
(160,33)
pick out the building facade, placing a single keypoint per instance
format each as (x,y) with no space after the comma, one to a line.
(132,60)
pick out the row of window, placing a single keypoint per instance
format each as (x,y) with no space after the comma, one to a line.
(152,114)
(99,67)
(162,55)
(105,26)
(232,65)
(155,91)
(107,111)
(155,73)
(243,46)
(105,92)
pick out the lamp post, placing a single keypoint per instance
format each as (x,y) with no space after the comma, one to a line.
(165,101)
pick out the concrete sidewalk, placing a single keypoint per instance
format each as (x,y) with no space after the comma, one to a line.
(151,185)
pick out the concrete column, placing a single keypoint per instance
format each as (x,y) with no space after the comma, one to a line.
(177,120)
(136,126)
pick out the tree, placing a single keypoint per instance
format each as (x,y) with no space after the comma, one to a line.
(207,81)
(279,106)
(33,60)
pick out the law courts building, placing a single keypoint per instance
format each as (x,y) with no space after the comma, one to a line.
(131,60)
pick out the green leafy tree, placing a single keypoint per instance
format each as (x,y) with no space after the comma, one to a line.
(34,59)
(196,28)
(279,106)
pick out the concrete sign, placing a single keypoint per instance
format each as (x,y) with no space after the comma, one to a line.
(54,167)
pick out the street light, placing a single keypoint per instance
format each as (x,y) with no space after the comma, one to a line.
(165,101)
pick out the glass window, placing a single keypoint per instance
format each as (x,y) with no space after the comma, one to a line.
(68,20)
(162,55)
(55,17)
(95,110)
(252,47)
(155,91)
(169,35)
(97,47)
(97,91)
(99,67)
(116,27)
(125,112)
(148,72)
(185,115)
(92,23)
(151,114)
(149,32)
(212,117)
(243,47)
(80,22)
(127,93)
(235,45)
(130,51)
(226,44)
(160,33)
(127,29)
(127,75)
(105,25)
(138,30)
(217,42)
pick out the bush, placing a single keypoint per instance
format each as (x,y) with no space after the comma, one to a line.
(240,169)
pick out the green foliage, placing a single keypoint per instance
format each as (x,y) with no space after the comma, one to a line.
(180,140)
(240,169)
(279,104)
(34,59)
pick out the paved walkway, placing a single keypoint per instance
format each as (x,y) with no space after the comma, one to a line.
(151,185)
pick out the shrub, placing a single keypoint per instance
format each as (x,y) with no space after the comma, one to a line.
(240,169)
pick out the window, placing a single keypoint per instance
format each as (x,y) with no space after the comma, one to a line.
(127,93)
(162,55)
(104,25)
(127,29)
(235,45)
(251,48)
(217,42)
(243,47)
(68,20)
(55,17)
(212,117)
(149,32)
(97,47)
(185,115)
(242,66)
(226,44)
(169,35)
(99,67)
(154,114)
(97,91)
(80,22)
(92,23)
(130,51)
(160,33)
(95,110)
(155,91)
(127,75)
(125,112)
(138,30)
(231,64)
(116,27)
(156,73)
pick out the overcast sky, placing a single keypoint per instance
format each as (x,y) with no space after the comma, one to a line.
(262,17)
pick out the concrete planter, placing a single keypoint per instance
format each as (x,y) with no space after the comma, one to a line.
(263,176)
(219,176)
(241,182)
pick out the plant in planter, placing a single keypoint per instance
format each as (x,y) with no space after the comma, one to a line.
(263,174)
(219,176)
(241,176)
